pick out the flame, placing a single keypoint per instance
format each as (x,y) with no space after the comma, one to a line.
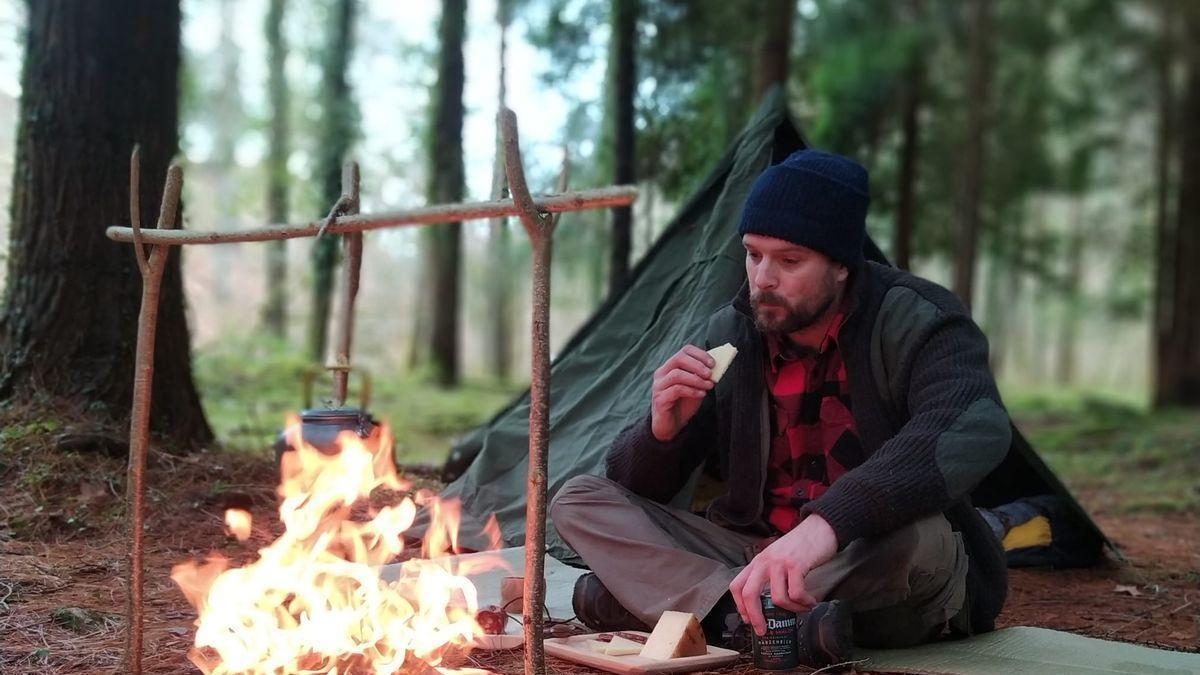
(238,522)
(313,601)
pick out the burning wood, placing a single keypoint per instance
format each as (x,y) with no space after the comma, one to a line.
(313,600)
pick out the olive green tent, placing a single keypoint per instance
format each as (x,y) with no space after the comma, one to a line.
(601,379)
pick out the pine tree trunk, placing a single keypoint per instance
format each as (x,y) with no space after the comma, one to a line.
(336,136)
(275,309)
(1164,230)
(595,263)
(994,314)
(970,197)
(1178,364)
(418,345)
(446,162)
(226,107)
(1069,333)
(98,78)
(624,83)
(499,288)
(774,47)
(910,145)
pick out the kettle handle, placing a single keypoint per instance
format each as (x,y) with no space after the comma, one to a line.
(309,376)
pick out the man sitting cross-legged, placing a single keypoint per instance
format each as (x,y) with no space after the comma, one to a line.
(850,428)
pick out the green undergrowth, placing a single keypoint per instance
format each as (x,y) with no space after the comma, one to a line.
(250,386)
(1113,448)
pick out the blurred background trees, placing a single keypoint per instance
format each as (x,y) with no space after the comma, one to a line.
(1041,159)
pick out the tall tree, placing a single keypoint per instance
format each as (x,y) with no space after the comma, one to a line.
(1164,60)
(911,101)
(447,185)
(775,45)
(228,120)
(1068,337)
(1178,359)
(275,309)
(971,190)
(623,80)
(499,287)
(97,78)
(338,123)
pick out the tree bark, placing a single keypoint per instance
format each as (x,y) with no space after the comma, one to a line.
(1069,333)
(774,47)
(499,286)
(1178,366)
(624,84)
(226,106)
(1164,226)
(98,78)
(970,195)
(910,145)
(336,135)
(446,162)
(275,309)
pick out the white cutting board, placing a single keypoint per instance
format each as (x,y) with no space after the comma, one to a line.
(575,649)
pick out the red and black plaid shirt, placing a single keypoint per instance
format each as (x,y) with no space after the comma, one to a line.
(814,437)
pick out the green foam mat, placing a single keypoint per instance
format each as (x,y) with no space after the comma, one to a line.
(1031,650)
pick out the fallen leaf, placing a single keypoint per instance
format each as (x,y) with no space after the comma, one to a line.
(1130,590)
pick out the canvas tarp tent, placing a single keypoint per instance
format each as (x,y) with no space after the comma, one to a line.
(601,379)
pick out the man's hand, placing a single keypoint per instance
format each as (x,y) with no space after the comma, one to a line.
(680,386)
(783,566)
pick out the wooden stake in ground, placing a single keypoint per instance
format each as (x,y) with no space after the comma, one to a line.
(143,377)
(540,228)
(348,203)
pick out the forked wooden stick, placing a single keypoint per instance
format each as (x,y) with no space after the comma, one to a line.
(540,228)
(143,377)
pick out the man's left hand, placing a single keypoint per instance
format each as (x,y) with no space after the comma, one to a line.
(782,566)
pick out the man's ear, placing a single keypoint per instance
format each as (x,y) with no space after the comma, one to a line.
(843,273)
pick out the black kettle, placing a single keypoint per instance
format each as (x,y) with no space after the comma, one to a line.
(320,427)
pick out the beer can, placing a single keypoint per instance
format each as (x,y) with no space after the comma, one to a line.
(777,649)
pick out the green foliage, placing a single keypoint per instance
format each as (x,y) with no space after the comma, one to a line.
(1114,450)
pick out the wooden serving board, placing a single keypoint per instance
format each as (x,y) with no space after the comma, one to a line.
(575,649)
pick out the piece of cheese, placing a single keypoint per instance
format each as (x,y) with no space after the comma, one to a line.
(597,646)
(618,646)
(676,634)
(622,647)
(723,355)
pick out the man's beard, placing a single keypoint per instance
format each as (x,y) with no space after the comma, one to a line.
(796,317)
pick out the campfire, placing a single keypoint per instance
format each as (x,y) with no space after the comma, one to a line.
(313,601)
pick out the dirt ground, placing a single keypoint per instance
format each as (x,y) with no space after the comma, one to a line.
(63,546)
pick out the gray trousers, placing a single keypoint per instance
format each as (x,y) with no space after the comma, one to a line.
(902,588)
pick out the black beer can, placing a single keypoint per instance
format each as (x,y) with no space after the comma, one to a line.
(777,649)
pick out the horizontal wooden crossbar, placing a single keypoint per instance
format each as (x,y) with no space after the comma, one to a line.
(621,195)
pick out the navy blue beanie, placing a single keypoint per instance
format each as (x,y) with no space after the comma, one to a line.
(814,199)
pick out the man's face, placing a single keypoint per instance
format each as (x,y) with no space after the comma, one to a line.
(791,286)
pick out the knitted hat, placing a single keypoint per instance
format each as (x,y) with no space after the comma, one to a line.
(814,199)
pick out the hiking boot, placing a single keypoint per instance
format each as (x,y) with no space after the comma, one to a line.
(596,608)
(825,634)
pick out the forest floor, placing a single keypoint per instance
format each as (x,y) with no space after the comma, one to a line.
(63,543)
